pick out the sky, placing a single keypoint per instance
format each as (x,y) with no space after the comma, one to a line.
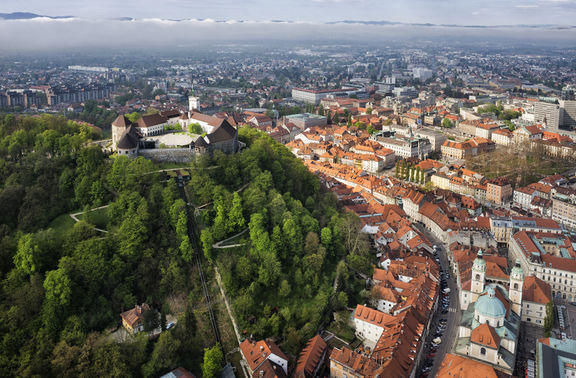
(96,23)
(476,12)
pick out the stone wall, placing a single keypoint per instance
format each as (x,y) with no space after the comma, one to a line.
(165,155)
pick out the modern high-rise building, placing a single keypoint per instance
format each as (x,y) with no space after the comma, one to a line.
(569,118)
(550,113)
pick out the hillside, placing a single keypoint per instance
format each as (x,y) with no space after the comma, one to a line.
(66,279)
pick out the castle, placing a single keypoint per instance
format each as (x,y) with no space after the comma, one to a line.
(218,133)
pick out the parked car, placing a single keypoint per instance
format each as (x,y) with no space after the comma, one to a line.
(170,325)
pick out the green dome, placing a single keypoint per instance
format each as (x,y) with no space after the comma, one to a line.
(489,305)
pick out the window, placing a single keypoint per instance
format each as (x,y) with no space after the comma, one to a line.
(516,286)
(483,351)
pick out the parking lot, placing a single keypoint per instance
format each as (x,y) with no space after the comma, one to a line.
(568,311)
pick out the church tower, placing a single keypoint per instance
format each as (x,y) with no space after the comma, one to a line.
(478,274)
(193,103)
(516,284)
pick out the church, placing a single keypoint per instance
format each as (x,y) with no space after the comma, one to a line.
(490,323)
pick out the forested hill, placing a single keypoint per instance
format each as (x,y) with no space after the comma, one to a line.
(63,284)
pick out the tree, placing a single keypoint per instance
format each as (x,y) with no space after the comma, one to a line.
(207,241)
(27,255)
(284,289)
(236,220)
(549,320)
(57,287)
(446,123)
(212,364)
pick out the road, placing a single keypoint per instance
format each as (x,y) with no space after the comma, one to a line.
(453,315)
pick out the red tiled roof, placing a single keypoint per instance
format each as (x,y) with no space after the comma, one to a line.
(536,290)
(310,357)
(485,335)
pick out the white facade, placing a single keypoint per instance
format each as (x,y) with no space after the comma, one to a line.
(152,130)
(279,361)
(368,332)
(523,198)
(534,313)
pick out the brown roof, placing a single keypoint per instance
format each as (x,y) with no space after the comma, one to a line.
(310,357)
(536,290)
(256,352)
(269,369)
(121,121)
(212,121)
(373,316)
(360,364)
(134,315)
(173,113)
(455,366)
(485,335)
(222,133)
(151,120)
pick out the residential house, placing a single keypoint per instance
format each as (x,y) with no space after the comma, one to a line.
(311,358)
(536,294)
(264,358)
(133,320)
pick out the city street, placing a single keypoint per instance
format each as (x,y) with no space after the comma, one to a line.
(453,315)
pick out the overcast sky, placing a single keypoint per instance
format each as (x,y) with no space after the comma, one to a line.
(482,12)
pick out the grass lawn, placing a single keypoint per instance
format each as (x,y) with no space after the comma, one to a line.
(343,331)
(98,218)
(62,224)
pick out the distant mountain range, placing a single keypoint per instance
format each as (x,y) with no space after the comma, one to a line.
(28,16)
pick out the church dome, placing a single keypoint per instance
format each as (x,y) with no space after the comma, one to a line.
(489,305)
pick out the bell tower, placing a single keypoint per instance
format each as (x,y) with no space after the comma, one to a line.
(478,274)
(516,284)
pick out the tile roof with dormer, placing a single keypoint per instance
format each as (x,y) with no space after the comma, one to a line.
(485,335)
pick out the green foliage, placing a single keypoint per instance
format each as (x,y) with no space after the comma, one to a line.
(447,123)
(213,358)
(195,128)
(549,319)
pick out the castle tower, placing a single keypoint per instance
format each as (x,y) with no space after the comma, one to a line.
(193,103)
(516,283)
(119,125)
(478,274)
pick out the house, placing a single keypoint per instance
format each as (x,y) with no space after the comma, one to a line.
(347,363)
(133,320)
(503,137)
(536,294)
(264,358)
(498,190)
(152,124)
(311,358)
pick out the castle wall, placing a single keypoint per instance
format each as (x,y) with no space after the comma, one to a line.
(176,155)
